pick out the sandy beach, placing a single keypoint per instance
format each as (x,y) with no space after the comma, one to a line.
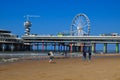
(101,67)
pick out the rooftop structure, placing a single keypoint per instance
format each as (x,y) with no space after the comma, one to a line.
(4,31)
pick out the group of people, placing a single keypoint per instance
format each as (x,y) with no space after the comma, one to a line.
(86,54)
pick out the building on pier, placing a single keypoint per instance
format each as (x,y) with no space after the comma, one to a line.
(11,42)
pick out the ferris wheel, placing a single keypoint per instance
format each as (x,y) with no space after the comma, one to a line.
(80,25)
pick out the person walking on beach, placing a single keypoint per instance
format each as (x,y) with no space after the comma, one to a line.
(65,54)
(51,56)
(84,53)
(89,53)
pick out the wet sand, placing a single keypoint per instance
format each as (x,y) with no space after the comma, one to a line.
(101,67)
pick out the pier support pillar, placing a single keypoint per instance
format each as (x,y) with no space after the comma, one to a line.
(78,48)
(105,48)
(59,47)
(71,48)
(37,46)
(64,47)
(34,47)
(43,46)
(54,47)
(93,47)
(81,47)
(117,48)
(3,47)
(12,47)
(0,47)
(22,47)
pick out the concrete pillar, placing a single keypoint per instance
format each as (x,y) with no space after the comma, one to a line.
(31,49)
(54,47)
(34,46)
(18,47)
(67,48)
(81,47)
(93,47)
(117,47)
(46,46)
(78,48)
(7,47)
(43,46)
(12,47)
(70,47)
(0,47)
(3,47)
(63,48)
(73,48)
(105,48)
(59,47)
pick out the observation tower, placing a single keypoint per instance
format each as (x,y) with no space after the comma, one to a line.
(28,23)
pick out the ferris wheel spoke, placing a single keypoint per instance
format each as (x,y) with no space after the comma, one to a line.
(74,25)
(77,22)
(85,25)
(82,23)
(84,32)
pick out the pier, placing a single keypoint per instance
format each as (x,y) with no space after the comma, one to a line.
(71,43)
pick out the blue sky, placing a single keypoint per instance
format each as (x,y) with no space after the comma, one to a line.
(57,15)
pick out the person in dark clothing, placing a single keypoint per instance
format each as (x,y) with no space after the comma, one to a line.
(84,53)
(65,54)
(89,53)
